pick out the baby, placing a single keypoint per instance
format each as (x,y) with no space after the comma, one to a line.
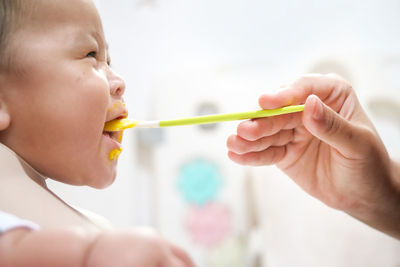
(57,90)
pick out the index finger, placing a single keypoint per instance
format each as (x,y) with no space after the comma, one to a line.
(255,129)
(321,85)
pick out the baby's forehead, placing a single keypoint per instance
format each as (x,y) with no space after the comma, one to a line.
(62,10)
(52,19)
(62,16)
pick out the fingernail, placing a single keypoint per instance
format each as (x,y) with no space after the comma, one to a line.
(318,110)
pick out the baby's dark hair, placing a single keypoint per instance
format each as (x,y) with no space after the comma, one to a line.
(11,15)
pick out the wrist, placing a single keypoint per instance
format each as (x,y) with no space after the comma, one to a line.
(395,175)
(382,211)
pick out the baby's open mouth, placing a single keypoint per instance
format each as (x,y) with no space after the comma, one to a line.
(117,136)
(113,134)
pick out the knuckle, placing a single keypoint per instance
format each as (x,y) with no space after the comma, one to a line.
(350,89)
(304,78)
(344,83)
(300,80)
(238,145)
(263,143)
(335,76)
(258,128)
(250,134)
(230,142)
(257,131)
(332,126)
(265,127)
(243,147)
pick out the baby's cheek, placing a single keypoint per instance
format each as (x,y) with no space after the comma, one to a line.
(96,89)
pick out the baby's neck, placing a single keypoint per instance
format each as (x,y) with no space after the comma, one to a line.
(24,193)
(32,173)
(12,165)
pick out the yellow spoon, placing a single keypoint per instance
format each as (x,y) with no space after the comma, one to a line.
(122,124)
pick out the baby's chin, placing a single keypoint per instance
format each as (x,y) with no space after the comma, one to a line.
(98,177)
(97,172)
(100,172)
(101,179)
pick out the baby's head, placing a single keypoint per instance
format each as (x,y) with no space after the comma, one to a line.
(57,90)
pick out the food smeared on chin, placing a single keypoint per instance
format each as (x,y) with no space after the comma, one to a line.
(116,136)
(114,154)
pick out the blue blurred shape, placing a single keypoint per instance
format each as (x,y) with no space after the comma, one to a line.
(199,181)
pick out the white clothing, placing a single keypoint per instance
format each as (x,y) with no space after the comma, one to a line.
(9,222)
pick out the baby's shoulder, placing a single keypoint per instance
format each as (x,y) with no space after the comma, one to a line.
(9,164)
(25,196)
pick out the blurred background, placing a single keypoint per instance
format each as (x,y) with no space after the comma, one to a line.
(186,58)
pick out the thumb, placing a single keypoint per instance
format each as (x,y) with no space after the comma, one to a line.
(331,128)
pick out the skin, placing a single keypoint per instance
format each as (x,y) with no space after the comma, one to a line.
(74,247)
(331,150)
(62,94)
(53,106)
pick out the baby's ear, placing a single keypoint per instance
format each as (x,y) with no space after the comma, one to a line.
(4,115)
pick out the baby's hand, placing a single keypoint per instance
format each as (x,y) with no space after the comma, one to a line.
(77,248)
(331,150)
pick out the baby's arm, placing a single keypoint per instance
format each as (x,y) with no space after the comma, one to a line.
(23,247)
(75,247)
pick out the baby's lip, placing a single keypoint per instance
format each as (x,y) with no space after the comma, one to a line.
(115,135)
(117,116)
(117,111)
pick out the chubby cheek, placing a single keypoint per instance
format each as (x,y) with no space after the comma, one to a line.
(77,152)
(93,153)
(77,142)
(58,122)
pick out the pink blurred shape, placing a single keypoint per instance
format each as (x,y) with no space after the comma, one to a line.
(208,225)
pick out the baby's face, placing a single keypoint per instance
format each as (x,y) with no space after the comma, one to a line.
(65,94)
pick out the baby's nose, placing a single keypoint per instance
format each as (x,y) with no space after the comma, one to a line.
(117,84)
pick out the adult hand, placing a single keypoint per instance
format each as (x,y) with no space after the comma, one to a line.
(331,150)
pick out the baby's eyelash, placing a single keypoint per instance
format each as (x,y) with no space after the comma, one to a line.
(92,54)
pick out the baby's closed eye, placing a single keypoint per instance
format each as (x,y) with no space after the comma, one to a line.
(92,54)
